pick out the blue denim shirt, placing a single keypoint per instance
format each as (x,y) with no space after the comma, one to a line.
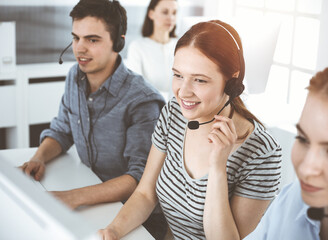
(112,127)
(286,218)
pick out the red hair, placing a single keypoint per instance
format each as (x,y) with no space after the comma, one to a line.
(211,39)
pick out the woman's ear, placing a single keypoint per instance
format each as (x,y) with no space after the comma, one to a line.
(236,74)
(151,14)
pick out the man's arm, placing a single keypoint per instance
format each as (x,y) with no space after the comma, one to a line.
(55,140)
(138,135)
(143,119)
(48,150)
(113,190)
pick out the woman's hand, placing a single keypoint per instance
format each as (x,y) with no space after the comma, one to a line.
(108,233)
(223,137)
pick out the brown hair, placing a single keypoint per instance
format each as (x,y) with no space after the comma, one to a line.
(214,42)
(148,24)
(319,83)
(111,12)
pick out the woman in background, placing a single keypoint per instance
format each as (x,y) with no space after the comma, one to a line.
(289,216)
(152,55)
(213,180)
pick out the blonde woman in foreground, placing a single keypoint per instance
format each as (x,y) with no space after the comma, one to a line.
(301,209)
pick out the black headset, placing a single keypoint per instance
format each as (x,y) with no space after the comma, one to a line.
(234,86)
(119,41)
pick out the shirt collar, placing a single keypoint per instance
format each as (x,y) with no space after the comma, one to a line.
(114,82)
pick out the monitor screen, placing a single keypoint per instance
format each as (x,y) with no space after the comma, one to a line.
(29,212)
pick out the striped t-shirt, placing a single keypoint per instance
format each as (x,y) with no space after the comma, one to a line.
(253,171)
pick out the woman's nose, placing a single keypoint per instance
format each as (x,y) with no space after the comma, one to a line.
(185,89)
(311,164)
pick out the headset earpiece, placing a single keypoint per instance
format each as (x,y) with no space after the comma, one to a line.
(234,87)
(120,40)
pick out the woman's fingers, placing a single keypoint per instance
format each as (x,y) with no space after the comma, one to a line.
(226,126)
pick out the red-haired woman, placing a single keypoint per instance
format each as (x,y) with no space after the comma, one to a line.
(212,167)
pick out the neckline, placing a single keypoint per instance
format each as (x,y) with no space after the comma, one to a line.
(158,43)
(186,174)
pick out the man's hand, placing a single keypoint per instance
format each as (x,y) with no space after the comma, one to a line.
(34,168)
(67,197)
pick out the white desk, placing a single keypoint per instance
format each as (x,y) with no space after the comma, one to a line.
(67,172)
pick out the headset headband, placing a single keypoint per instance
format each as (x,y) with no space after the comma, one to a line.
(229,34)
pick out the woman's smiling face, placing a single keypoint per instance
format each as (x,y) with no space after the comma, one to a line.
(198,85)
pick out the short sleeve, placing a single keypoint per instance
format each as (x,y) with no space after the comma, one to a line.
(160,135)
(260,174)
(262,182)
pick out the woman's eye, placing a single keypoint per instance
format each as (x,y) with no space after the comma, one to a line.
(302,139)
(200,80)
(177,75)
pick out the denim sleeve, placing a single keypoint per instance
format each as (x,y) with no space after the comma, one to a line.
(60,128)
(143,118)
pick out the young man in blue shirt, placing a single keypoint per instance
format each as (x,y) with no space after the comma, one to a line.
(107,111)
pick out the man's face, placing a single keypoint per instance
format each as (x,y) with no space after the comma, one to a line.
(93,47)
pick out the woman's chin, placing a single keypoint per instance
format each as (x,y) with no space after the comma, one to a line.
(314,201)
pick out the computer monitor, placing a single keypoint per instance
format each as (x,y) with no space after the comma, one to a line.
(27,212)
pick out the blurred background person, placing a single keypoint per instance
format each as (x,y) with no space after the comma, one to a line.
(152,55)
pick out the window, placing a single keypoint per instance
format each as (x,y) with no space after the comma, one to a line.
(297,49)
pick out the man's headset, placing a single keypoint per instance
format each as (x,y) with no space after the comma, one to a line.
(234,86)
(119,41)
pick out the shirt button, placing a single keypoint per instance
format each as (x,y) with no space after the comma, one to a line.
(90,99)
(88,119)
(78,121)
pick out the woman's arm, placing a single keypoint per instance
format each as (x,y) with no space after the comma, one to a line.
(247,213)
(141,203)
(224,219)
(234,220)
(219,222)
